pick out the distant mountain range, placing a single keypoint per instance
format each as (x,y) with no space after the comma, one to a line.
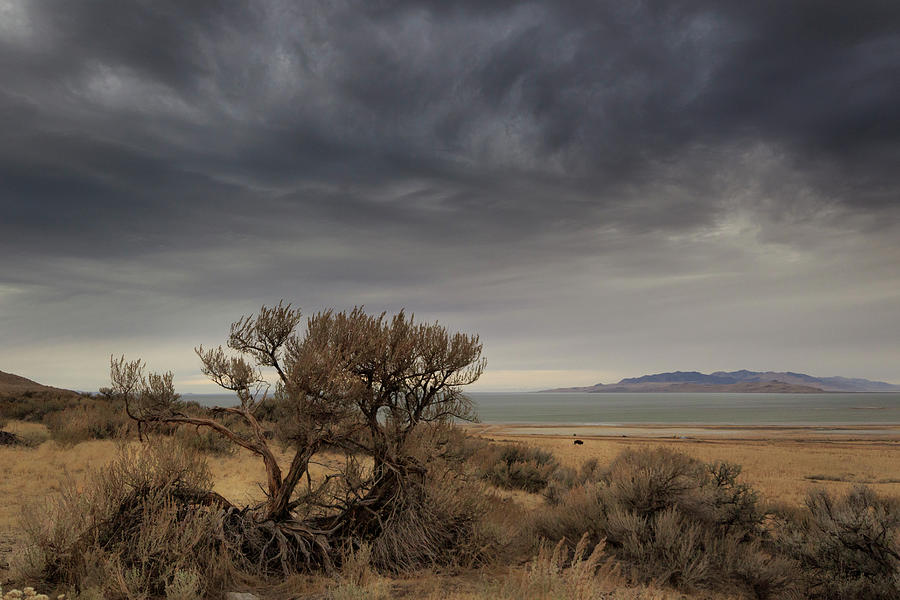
(737,381)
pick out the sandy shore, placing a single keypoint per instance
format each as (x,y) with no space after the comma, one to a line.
(694,431)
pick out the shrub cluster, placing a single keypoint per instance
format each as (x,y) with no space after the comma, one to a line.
(671,519)
(204,441)
(148,524)
(564,479)
(142,526)
(847,547)
(516,466)
(97,420)
(70,418)
(445,521)
(74,418)
(34,405)
(29,593)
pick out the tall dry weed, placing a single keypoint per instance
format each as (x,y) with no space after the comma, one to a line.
(357,578)
(560,573)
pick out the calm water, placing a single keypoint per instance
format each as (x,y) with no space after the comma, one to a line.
(711,409)
(706,408)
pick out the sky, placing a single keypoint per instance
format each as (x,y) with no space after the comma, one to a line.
(598,189)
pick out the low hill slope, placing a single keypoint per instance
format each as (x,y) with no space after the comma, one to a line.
(14,385)
(8,380)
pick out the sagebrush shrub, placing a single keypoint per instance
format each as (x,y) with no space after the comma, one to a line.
(33,406)
(561,481)
(516,466)
(847,546)
(590,471)
(441,522)
(649,481)
(671,519)
(98,420)
(205,442)
(140,526)
(582,510)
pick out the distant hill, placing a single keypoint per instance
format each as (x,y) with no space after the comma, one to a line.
(828,384)
(15,385)
(682,377)
(10,381)
(742,381)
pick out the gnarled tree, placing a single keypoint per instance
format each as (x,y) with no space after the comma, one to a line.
(364,384)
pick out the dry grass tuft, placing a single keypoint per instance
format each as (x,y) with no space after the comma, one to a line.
(135,528)
(556,573)
(357,579)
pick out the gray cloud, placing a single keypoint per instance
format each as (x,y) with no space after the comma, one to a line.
(603,187)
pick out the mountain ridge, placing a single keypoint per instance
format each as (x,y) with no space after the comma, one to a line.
(741,381)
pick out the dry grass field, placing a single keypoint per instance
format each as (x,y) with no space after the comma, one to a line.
(28,476)
(781,463)
(31,476)
(782,469)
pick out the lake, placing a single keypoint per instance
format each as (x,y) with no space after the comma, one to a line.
(641,408)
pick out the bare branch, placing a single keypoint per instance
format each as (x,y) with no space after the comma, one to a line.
(264,335)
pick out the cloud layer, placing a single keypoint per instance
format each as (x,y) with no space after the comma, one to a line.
(599,189)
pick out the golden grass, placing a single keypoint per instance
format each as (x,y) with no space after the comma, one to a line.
(25,428)
(779,469)
(27,475)
(513,583)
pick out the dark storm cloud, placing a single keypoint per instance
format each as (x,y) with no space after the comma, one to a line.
(481,161)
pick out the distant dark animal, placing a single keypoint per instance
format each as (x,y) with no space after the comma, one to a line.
(578,442)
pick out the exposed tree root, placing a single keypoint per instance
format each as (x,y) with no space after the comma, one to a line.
(271,548)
